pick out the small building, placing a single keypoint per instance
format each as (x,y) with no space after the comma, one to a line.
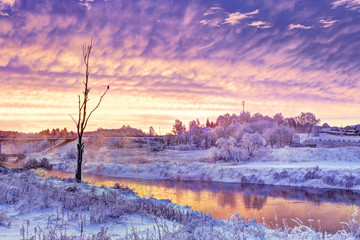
(296,139)
(315,131)
(351,130)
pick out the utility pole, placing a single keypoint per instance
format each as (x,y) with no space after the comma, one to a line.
(243,103)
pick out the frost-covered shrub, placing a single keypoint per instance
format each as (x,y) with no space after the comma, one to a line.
(279,136)
(4,219)
(349,180)
(168,139)
(34,164)
(113,143)
(124,142)
(97,141)
(220,132)
(258,127)
(203,137)
(330,179)
(182,139)
(227,150)
(71,153)
(312,173)
(251,143)
(278,176)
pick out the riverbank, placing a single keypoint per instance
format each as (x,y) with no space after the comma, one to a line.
(36,208)
(300,167)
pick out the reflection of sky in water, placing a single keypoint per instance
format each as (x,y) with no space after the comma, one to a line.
(221,199)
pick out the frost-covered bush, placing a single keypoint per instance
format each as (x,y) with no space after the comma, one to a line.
(124,142)
(168,139)
(258,127)
(226,147)
(4,219)
(71,153)
(97,141)
(34,164)
(203,137)
(313,173)
(251,143)
(279,136)
(227,150)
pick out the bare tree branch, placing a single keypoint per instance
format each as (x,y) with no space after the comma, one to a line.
(101,98)
(74,120)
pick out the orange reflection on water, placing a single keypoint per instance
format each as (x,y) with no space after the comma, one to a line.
(222,199)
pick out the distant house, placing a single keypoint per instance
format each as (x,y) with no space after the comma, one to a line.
(296,139)
(332,130)
(316,130)
(351,130)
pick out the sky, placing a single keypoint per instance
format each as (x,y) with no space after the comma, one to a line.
(167,60)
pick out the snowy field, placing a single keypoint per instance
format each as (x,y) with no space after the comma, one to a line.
(303,167)
(36,208)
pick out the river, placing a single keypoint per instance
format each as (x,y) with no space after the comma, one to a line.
(330,206)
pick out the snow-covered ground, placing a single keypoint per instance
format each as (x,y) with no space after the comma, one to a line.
(36,208)
(306,167)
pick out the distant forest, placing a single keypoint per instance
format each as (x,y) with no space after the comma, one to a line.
(300,123)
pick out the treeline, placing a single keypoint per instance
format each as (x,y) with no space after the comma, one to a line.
(55,132)
(124,131)
(302,123)
(239,137)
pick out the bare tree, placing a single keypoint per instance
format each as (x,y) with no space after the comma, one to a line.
(83,117)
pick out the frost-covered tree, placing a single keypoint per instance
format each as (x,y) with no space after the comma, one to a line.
(291,122)
(178,128)
(251,143)
(306,121)
(257,117)
(97,141)
(168,139)
(84,116)
(279,136)
(152,131)
(224,120)
(279,118)
(245,117)
(210,124)
(194,124)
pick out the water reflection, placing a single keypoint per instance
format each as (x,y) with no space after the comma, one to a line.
(330,206)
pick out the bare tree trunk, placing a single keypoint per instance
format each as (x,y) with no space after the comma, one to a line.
(83,117)
(80,148)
